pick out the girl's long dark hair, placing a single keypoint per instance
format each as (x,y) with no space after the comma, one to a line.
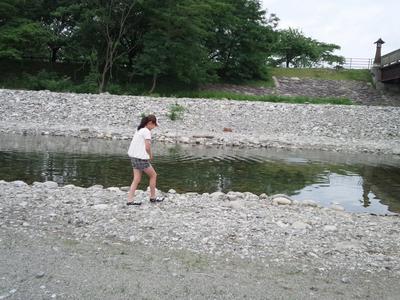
(147,119)
(143,123)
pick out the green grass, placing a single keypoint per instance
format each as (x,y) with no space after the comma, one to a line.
(263,98)
(168,87)
(344,74)
(176,112)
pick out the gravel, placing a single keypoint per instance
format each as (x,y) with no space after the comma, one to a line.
(211,233)
(372,129)
(76,243)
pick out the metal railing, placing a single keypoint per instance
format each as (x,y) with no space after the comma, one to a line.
(390,58)
(358,63)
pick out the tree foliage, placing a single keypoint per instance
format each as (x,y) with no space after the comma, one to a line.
(194,41)
(294,48)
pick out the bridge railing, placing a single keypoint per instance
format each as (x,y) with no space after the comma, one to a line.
(358,63)
(390,58)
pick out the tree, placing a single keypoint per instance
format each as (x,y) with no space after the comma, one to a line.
(243,39)
(113,22)
(20,36)
(8,11)
(174,44)
(294,48)
(61,21)
(102,26)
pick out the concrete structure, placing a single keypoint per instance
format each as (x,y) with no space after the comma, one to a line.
(386,69)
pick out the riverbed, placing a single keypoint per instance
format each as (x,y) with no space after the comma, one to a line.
(69,242)
(340,128)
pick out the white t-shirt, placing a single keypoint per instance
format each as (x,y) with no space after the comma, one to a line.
(137,147)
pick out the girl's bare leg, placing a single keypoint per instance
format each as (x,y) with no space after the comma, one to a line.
(152,181)
(137,176)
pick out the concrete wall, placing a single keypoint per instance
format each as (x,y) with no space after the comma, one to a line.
(386,86)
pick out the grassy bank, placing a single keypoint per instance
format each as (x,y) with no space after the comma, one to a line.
(332,74)
(263,98)
(168,87)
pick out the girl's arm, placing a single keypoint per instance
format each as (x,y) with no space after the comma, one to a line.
(148,148)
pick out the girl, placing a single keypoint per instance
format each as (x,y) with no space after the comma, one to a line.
(141,154)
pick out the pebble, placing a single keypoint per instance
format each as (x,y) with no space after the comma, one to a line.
(345,280)
(183,220)
(208,223)
(354,128)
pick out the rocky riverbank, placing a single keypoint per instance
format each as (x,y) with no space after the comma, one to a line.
(73,243)
(372,129)
(265,231)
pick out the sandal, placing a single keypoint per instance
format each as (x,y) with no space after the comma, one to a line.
(133,203)
(157,199)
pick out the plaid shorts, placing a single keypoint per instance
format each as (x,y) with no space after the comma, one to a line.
(140,164)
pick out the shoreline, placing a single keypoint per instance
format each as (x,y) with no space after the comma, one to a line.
(324,250)
(97,211)
(348,129)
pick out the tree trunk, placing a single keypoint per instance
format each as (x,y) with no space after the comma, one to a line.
(54,51)
(103,80)
(130,61)
(154,83)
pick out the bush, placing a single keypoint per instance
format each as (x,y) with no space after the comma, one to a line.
(46,81)
(176,112)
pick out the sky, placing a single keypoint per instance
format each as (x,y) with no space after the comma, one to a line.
(354,25)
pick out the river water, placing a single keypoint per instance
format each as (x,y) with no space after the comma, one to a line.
(358,182)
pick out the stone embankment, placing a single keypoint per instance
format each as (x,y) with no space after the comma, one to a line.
(373,129)
(359,92)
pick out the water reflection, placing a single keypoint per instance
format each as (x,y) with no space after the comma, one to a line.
(366,186)
(370,189)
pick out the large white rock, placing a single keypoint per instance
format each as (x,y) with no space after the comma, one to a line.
(69,186)
(184,139)
(311,203)
(19,183)
(50,184)
(337,207)
(100,206)
(330,228)
(236,204)
(217,195)
(281,201)
(300,225)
